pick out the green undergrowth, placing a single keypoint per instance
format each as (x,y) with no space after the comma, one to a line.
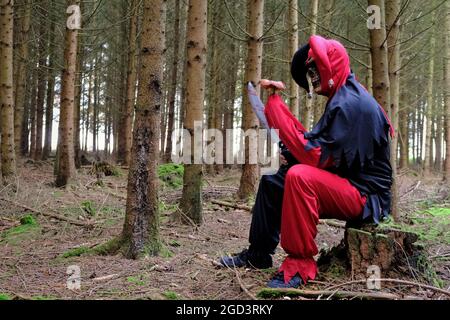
(76,252)
(432,225)
(171,175)
(4,296)
(28,229)
(171,295)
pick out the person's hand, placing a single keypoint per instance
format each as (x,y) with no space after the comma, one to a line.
(283,160)
(272,86)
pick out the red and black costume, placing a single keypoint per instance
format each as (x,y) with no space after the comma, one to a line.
(343,169)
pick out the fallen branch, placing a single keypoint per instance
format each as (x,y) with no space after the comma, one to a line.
(105,278)
(232,205)
(332,223)
(420,285)
(50,214)
(243,287)
(411,190)
(271,293)
(247,208)
(205,258)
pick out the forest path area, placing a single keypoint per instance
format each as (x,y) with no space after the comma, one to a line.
(36,251)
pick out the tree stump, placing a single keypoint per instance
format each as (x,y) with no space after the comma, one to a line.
(368,245)
(382,247)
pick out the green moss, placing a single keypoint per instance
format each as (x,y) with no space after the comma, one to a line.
(110,247)
(268,293)
(174,243)
(432,225)
(428,271)
(4,296)
(165,252)
(137,280)
(170,295)
(28,229)
(42,298)
(75,252)
(89,208)
(28,219)
(171,175)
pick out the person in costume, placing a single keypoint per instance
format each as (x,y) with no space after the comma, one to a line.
(340,169)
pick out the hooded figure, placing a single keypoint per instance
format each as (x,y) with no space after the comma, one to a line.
(343,169)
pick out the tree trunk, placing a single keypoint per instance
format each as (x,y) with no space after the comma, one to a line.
(394,64)
(66,161)
(447,90)
(393,39)
(293,46)
(89,109)
(228,121)
(141,228)
(77,103)
(50,95)
(404,131)
(42,77)
(250,172)
(381,85)
(191,201)
(25,131)
(438,139)
(182,111)
(125,130)
(429,107)
(96,106)
(34,90)
(8,157)
(20,97)
(307,111)
(173,82)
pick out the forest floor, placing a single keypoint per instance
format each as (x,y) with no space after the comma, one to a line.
(35,254)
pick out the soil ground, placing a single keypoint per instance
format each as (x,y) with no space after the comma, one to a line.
(32,265)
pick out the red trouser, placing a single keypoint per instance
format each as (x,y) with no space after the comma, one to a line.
(310,193)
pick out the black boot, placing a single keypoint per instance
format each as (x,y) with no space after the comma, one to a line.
(249,259)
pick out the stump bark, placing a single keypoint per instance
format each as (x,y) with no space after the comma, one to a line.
(368,245)
(383,247)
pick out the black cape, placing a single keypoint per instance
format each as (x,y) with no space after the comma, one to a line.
(355,132)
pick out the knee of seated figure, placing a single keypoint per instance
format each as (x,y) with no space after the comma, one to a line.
(301,173)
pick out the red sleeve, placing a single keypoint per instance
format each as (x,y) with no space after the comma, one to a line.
(291,132)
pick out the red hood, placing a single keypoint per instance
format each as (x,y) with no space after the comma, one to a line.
(332,62)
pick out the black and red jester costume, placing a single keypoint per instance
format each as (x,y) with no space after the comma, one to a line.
(343,169)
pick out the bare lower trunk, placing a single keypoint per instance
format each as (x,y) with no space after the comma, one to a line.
(293,46)
(141,228)
(50,96)
(447,90)
(173,83)
(429,108)
(191,201)
(125,131)
(66,161)
(42,77)
(250,172)
(20,96)
(8,156)
(381,84)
